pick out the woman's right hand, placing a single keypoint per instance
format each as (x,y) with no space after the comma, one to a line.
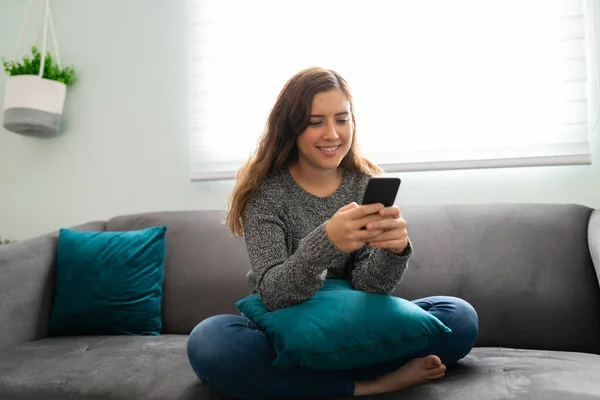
(344,229)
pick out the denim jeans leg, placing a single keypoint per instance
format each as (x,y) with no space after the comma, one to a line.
(461,318)
(228,353)
(453,312)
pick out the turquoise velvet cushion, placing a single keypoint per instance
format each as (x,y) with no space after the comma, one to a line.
(343,328)
(108,283)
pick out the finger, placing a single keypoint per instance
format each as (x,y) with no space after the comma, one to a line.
(387,223)
(391,234)
(389,244)
(367,236)
(364,210)
(392,211)
(386,236)
(363,222)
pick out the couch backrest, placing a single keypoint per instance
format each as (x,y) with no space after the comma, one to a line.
(526,268)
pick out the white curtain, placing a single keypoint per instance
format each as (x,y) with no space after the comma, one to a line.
(437,84)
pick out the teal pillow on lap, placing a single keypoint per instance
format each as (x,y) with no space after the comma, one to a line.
(343,328)
(108,283)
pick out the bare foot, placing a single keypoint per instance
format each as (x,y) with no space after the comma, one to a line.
(412,373)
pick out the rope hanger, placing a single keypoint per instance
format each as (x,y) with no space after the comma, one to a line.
(45,20)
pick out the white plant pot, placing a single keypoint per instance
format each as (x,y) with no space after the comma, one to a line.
(33,105)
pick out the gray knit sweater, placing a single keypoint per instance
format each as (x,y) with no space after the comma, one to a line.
(290,253)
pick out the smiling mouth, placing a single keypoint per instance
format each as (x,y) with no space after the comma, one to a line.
(329,148)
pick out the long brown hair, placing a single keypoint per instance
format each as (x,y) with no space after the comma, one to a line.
(276,148)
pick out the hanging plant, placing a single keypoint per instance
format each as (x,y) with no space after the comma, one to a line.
(37,85)
(31,66)
(5,241)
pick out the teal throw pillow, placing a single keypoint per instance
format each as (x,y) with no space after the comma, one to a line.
(108,283)
(343,328)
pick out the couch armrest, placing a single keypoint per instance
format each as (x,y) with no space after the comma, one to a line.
(594,240)
(26,280)
(26,286)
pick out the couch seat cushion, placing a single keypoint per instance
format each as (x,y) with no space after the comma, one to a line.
(130,367)
(502,374)
(100,367)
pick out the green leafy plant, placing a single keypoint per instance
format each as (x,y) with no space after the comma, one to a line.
(5,241)
(31,66)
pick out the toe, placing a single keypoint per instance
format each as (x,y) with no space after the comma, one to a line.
(433,362)
(437,371)
(438,376)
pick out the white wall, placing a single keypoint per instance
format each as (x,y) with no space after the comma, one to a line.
(125,143)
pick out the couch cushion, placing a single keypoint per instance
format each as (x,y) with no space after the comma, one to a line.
(510,374)
(100,367)
(343,328)
(108,283)
(501,373)
(205,266)
(125,367)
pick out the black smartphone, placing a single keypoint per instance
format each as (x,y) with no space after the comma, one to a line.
(381,190)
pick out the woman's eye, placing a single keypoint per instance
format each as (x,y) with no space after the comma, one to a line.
(314,123)
(342,121)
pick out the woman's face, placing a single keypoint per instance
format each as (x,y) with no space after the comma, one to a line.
(328,137)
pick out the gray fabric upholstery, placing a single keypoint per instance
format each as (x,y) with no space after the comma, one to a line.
(26,283)
(148,368)
(500,373)
(205,265)
(526,268)
(100,367)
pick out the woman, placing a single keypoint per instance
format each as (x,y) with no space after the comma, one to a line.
(295,203)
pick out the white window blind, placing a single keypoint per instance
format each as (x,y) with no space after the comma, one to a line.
(437,84)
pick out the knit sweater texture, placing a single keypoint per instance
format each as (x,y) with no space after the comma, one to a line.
(290,253)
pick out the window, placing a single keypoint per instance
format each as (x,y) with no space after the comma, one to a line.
(437,84)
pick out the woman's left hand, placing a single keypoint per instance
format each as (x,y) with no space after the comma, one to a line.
(395,235)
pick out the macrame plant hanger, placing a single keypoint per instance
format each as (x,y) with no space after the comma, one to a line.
(34,104)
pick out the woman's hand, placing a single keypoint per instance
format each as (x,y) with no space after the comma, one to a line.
(392,227)
(344,228)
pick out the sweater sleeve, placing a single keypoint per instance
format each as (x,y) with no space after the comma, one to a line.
(284,279)
(379,270)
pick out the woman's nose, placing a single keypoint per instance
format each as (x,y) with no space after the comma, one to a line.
(330,132)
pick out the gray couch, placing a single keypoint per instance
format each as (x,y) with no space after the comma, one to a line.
(528,269)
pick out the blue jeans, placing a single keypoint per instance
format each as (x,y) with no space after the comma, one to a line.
(230,354)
